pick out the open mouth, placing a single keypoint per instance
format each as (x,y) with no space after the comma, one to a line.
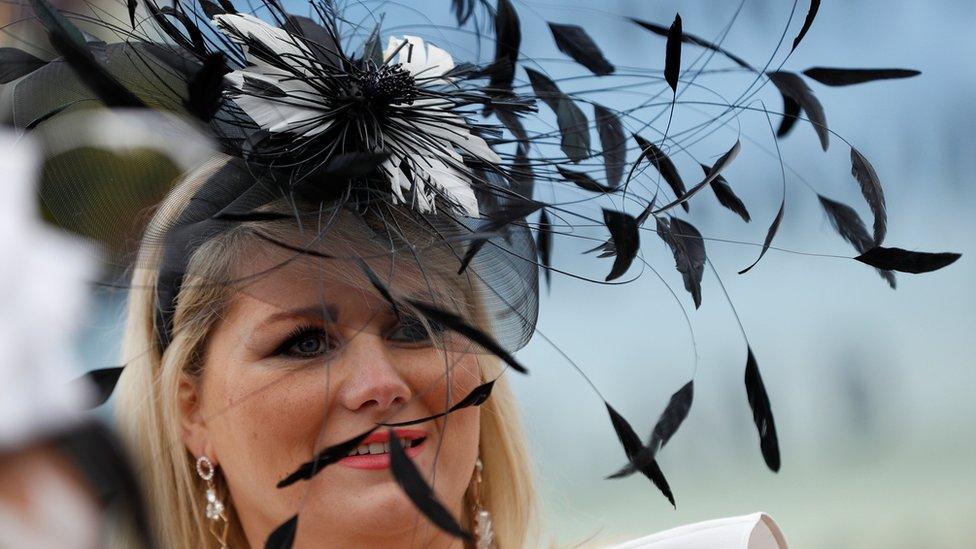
(380,448)
(374,452)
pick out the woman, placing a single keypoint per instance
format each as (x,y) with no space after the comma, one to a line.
(318,324)
(278,354)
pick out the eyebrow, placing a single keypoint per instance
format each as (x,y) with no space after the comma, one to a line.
(328,313)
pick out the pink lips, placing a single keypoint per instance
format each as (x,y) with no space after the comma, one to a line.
(382,461)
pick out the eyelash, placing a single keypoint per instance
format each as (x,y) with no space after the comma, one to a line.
(429,330)
(302,333)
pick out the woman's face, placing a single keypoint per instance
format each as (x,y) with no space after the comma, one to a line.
(303,359)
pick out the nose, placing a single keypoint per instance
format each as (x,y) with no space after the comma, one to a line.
(373,383)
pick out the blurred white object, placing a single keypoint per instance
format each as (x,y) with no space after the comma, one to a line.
(43,275)
(120,130)
(42,288)
(54,512)
(755,531)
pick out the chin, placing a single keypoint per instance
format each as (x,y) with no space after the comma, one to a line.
(379,507)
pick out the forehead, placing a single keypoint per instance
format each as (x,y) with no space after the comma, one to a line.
(283,278)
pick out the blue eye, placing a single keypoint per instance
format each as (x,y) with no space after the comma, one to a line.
(306,343)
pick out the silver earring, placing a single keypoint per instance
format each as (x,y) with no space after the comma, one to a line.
(215,507)
(484,534)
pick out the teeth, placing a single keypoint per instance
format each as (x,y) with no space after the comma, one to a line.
(377,448)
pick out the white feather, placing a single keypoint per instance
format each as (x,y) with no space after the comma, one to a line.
(430,155)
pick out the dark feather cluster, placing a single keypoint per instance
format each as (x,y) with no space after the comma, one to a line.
(353,111)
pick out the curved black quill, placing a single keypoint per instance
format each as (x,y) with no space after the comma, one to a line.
(419,492)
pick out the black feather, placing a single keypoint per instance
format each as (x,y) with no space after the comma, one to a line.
(830,76)
(206,87)
(625,433)
(322,42)
(523,178)
(132,5)
(791,113)
(420,493)
(773,228)
(584,181)
(323,459)
(626,241)
(104,380)
(212,9)
(15,63)
(663,164)
(283,537)
(850,227)
(793,87)
(476,397)
(672,417)
(689,253)
(544,244)
(498,220)
(354,164)
(514,125)
(71,44)
(573,125)
(667,424)
(613,141)
(464,9)
(864,173)
(672,55)
(905,261)
(762,413)
(453,322)
(379,286)
(710,176)
(508,39)
(811,15)
(726,197)
(632,448)
(694,40)
(576,43)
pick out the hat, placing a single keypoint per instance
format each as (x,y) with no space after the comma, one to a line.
(490,158)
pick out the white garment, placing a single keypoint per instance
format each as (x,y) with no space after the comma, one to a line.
(755,531)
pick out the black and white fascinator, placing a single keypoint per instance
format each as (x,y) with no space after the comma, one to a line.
(491,159)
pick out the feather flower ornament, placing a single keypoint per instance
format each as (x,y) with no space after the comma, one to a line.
(311,108)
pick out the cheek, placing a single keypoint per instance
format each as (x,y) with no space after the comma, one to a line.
(459,433)
(263,423)
(438,379)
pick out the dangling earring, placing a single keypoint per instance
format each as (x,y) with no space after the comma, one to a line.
(215,507)
(484,534)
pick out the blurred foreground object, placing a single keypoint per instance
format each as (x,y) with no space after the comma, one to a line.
(58,469)
(755,531)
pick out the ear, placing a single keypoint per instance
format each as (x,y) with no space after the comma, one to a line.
(193,429)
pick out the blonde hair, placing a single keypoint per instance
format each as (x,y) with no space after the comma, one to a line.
(147,405)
